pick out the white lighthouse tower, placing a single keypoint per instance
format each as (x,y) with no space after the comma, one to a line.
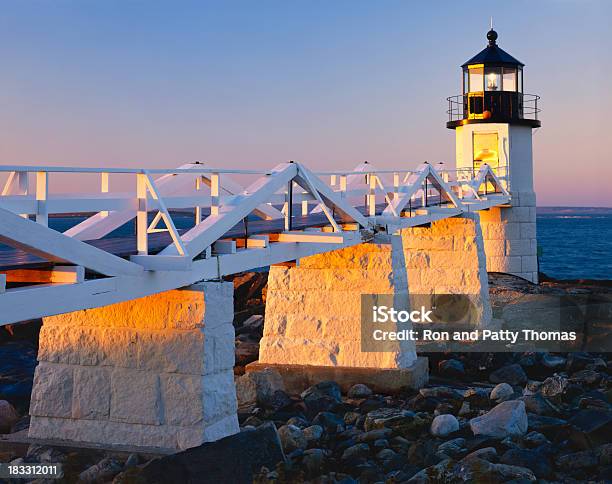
(494,120)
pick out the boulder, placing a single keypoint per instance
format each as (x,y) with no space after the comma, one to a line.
(590,428)
(102,472)
(322,397)
(451,368)
(292,438)
(511,374)
(506,419)
(359,391)
(501,393)
(8,416)
(443,425)
(531,459)
(235,459)
(258,388)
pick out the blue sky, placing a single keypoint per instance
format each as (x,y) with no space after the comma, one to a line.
(329,83)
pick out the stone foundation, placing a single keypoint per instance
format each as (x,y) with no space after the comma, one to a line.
(510,237)
(313,310)
(449,258)
(155,371)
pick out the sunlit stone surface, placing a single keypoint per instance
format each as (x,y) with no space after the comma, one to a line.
(449,258)
(155,371)
(313,310)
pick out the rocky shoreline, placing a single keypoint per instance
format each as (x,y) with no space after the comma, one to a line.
(483,417)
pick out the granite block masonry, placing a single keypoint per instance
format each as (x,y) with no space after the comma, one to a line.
(313,310)
(155,371)
(510,237)
(449,258)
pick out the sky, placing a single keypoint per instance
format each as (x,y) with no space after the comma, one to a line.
(250,84)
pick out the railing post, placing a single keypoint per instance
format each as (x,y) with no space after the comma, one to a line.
(42,189)
(104,189)
(289,212)
(198,208)
(372,195)
(342,186)
(396,183)
(214,194)
(141,215)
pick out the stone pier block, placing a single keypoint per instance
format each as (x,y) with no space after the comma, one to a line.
(154,372)
(449,258)
(313,310)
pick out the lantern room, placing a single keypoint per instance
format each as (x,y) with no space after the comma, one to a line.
(493,90)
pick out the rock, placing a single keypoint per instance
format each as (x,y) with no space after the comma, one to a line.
(441,393)
(217,461)
(298,422)
(553,362)
(392,418)
(44,455)
(586,377)
(257,388)
(132,461)
(440,472)
(486,453)
(246,393)
(292,438)
(477,397)
(532,387)
(443,425)
(451,368)
(501,393)
(538,404)
(278,401)
(350,418)
(577,460)
(8,416)
(254,322)
(330,422)
(386,454)
(452,448)
(359,391)
(103,471)
(511,374)
(530,459)
(322,397)
(356,452)
(535,439)
(480,470)
(313,433)
(604,454)
(554,387)
(507,418)
(374,435)
(549,426)
(590,428)
(314,460)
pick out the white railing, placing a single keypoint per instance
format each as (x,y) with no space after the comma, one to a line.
(337,209)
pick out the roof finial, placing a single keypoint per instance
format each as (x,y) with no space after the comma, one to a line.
(491,34)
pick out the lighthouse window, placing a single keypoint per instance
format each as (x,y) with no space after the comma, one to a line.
(476,79)
(493,79)
(509,81)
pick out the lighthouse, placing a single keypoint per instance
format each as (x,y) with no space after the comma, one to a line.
(494,120)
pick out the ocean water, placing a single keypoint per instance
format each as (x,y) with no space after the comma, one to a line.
(575,243)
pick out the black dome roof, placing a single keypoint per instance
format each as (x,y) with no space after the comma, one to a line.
(492,54)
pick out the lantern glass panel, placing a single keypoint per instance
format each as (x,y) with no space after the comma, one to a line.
(476,79)
(509,80)
(493,79)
